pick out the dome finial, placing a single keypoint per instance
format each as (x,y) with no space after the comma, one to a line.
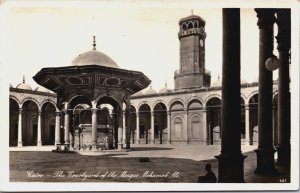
(192,11)
(94,42)
(23,78)
(166,84)
(218,77)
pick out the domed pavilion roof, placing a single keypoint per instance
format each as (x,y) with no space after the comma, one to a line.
(150,91)
(42,89)
(94,57)
(24,85)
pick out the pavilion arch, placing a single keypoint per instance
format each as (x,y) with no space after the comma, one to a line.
(176,100)
(143,103)
(159,101)
(30,99)
(73,99)
(244,98)
(16,99)
(48,123)
(29,122)
(274,94)
(144,112)
(253,117)
(48,101)
(210,97)
(13,121)
(194,103)
(213,117)
(110,95)
(160,122)
(251,95)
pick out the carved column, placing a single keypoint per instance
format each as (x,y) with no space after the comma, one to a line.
(137,128)
(57,128)
(128,129)
(265,151)
(152,128)
(169,127)
(284,100)
(94,129)
(231,160)
(247,124)
(67,129)
(20,141)
(39,129)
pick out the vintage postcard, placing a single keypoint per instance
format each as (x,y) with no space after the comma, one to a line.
(149,95)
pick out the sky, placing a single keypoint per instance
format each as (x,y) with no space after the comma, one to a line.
(137,36)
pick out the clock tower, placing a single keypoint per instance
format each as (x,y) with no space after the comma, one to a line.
(192,72)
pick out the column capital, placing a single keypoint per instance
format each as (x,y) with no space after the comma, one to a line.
(247,107)
(20,110)
(94,110)
(57,113)
(39,112)
(65,111)
(203,109)
(266,17)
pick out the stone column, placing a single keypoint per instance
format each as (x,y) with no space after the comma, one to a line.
(152,128)
(128,129)
(94,129)
(124,127)
(265,151)
(67,129)
(137,128)
(57,128)
(231,160)
(284,104)
(120,131)
(247,124)
(39,129)
(185,132)
(20,141)
(204,130)
(169,127)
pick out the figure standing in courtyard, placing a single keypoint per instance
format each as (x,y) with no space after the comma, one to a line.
(210,176)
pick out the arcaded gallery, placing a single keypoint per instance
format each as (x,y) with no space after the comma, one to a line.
(93,104)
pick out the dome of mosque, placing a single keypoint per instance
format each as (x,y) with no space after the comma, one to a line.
(42,89)
(150,91)
(140,93)
(24,86)
(94,57)
(165,89)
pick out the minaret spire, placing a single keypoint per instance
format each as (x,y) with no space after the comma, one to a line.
(94,42)
(23,78)
(192,11)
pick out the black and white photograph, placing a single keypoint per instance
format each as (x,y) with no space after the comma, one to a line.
(149,95)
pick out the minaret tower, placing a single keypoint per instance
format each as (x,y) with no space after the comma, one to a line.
(192,73)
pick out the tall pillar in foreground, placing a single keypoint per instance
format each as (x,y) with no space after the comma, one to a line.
(265,151)
(94,129)
(204,132)
(231,160)
(57,127)
(284,100)
(39,129)
(20,140)
(124,127)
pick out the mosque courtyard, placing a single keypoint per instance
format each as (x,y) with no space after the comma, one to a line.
(144,163)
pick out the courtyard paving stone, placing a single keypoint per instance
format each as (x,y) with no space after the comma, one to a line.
(188,160)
